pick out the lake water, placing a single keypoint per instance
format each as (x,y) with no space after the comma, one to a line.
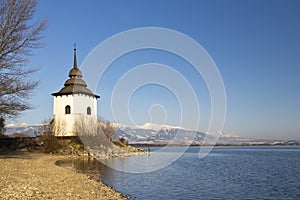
(226,173)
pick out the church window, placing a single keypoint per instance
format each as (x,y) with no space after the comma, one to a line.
(88,110)
(67,109)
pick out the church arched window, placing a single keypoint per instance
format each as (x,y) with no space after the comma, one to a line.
(68,109)
(88,110)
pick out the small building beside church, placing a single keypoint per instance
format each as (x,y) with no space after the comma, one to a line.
(74,102)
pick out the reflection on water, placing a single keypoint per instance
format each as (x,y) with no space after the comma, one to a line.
(89,166)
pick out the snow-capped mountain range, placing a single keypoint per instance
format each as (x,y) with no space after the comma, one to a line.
(151,133)
(147,133)
(157,133)
(31,130)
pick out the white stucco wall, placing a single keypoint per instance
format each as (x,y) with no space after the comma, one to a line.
(79,104)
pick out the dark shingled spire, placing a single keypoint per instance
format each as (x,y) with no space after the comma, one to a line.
(75,59)
(75,70)
(75,85)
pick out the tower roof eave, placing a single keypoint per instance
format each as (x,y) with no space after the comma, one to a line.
(71,93)
(75,89)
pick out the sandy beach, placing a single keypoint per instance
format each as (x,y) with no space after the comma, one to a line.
(35,176)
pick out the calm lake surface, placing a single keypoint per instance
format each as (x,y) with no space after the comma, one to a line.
(226,173)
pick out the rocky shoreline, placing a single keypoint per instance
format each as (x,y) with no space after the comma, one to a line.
(27,175)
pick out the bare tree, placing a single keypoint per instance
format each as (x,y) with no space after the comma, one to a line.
(59,127)
(18,37)
(2,126)
(85,126)
(90,132)
(108,129)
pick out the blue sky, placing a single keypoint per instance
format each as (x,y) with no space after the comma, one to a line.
(255,44)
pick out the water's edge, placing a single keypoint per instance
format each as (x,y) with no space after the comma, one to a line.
(64,163)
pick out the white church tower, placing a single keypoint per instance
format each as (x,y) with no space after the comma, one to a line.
(72,103)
